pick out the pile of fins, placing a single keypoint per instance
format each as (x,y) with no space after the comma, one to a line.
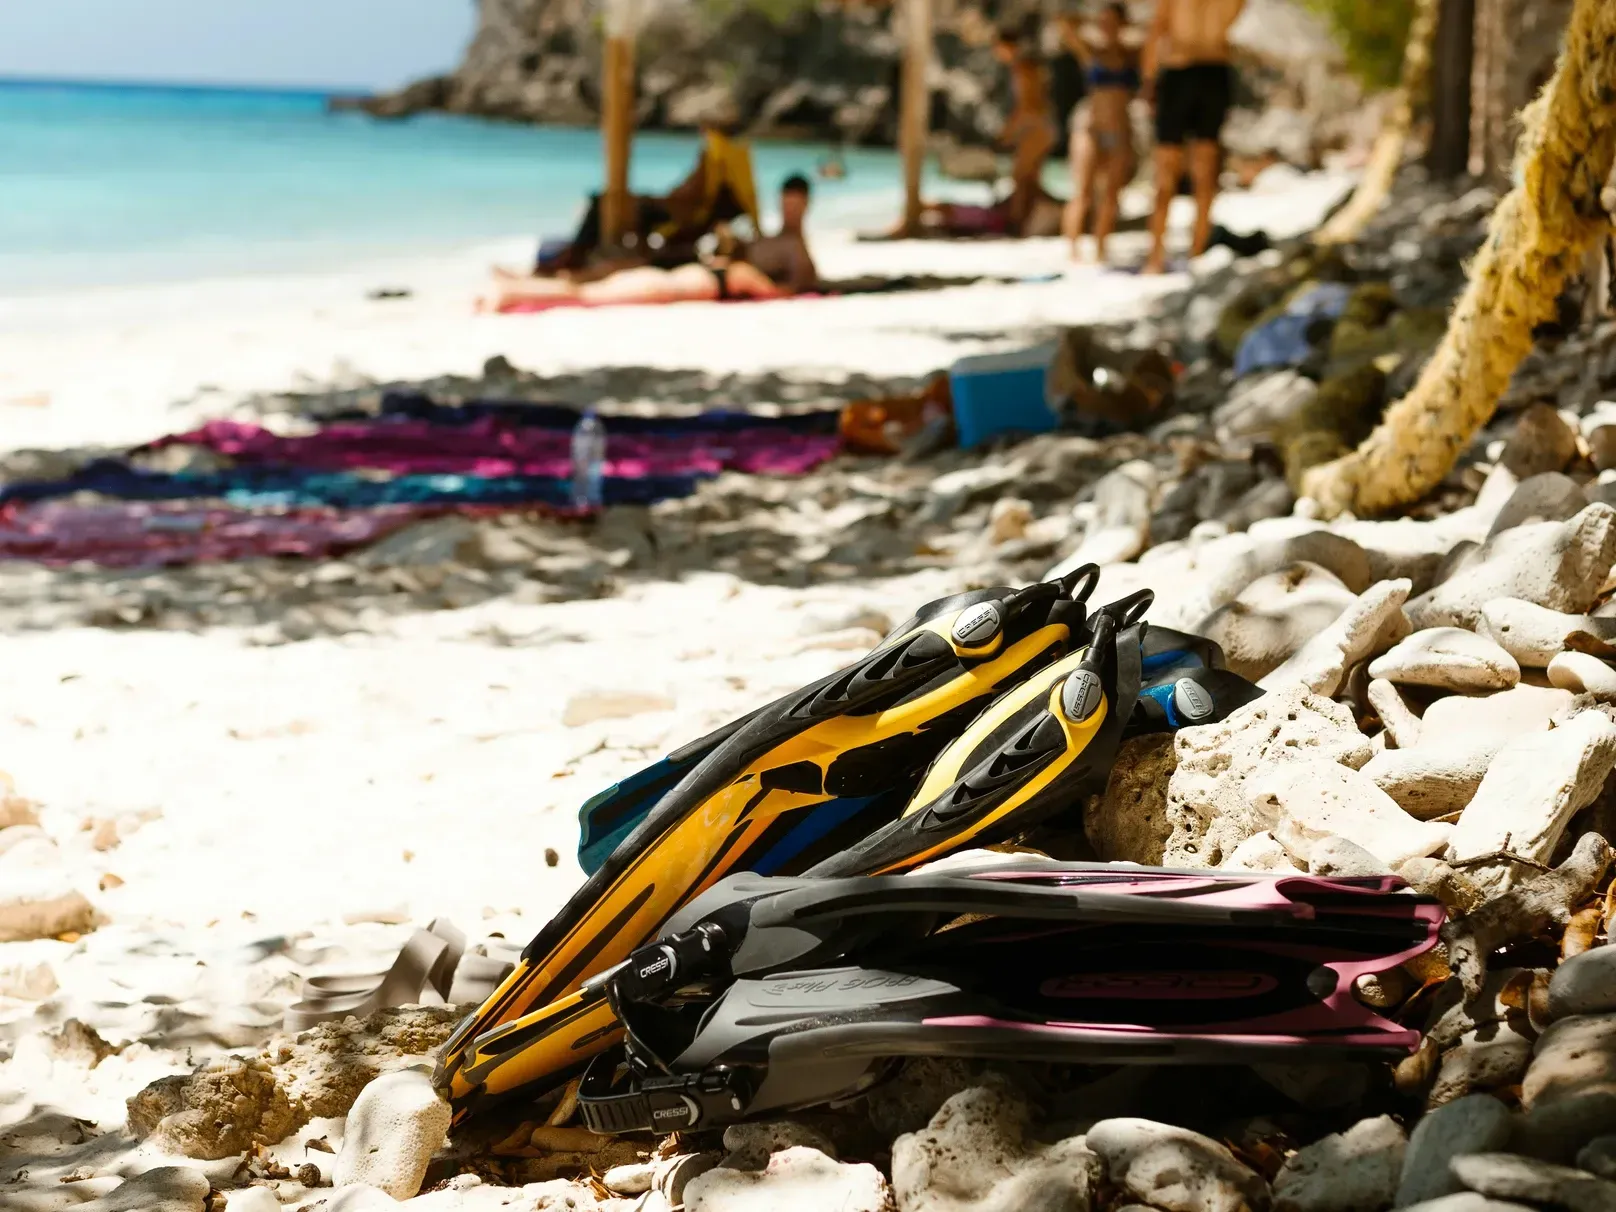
(769,994)
(982,717)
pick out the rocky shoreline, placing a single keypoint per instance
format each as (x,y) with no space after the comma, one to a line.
(1441,705)
(830,73)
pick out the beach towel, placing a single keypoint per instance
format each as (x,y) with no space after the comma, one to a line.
(418,405)
(488,447)
(138,534)
(409,402)
(290,487)
(524,307)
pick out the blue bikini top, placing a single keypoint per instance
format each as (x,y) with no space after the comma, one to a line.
(1101,76)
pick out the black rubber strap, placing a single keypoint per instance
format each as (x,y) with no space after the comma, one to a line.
(658,1104)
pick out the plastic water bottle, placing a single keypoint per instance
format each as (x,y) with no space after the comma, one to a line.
(588,462)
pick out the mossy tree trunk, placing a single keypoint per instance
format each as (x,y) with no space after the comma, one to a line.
(1537,239)
(1387,153)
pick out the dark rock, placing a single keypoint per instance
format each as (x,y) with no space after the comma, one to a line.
(1542,442)
(1548,497)
(1508,1176)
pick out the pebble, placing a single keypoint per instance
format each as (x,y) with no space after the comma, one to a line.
(1535,635)
(397,1123)
(28,982)
(1273,617)
(1262,403)
(635,1178)
(1402,725)
(1503,716)
(1584,984)
(1542,442)
(1448,658)
(14,810)
(1466,1201)
(798,1177)
(1173,1168)
(1583,674)
(1371,624)
(1344,1172)
(165,1189)
(1598,1156)
(1475,1123)
(1599,431)
(1008,520)
(1493,1057)
(1336,856)
(1534,786)
(1260,852)
(751,1145)
(1310,800)
(1568,1094)
(45,913)
(974,1156)
(1432,779)
(1548,497)
(358,1199)
(1510,1176)
(1208,808)
(1560,565)
(252,1199)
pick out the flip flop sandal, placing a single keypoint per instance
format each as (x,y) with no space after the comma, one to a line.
(427,961)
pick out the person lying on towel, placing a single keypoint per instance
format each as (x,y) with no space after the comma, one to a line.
(771,267)
(664,230)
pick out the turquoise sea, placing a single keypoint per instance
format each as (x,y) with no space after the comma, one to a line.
(104,184)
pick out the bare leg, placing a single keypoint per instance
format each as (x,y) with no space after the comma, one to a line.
(515,290)
(1205,159)
(1026,173)
(1083,169)
(1105,218)
(650,285)
(1169,161)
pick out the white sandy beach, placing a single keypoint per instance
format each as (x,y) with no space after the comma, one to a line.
(122,365)
(241,793)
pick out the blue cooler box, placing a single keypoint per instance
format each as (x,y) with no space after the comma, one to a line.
(1001,393)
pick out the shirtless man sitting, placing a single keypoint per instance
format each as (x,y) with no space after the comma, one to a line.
(784,257)
(1189,79)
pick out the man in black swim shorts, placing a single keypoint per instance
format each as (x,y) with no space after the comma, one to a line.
(1190,82)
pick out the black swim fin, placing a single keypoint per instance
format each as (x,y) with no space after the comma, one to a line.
(1070,963)
(1038,750)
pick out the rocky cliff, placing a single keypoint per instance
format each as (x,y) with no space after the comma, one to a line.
(828,71)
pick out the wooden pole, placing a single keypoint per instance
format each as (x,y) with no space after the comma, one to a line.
(914,118)
(617,134)
(1489,108)
(1449,154)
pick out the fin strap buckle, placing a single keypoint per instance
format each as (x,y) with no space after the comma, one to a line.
(660,1104)
(653,971)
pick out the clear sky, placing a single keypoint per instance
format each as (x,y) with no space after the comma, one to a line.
(314,43)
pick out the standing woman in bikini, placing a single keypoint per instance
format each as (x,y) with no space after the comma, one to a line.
(1102,153)
(1031,128)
